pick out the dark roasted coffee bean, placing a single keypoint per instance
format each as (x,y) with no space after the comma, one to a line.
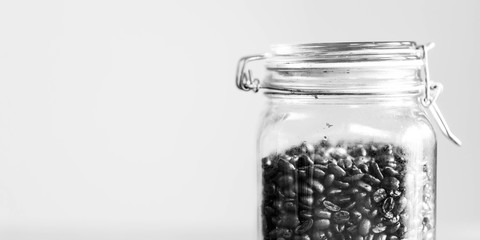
(290,207)
(331,206)
(341,217)
(338,228)
(391,221)
(336,170)
(301,237)
(319,235)
(304,227)
(341,184)
(289,193)
(353,190)
(391,183)
(393,237)
(319,201)
(306,200)
(371,179)
(334,191)
(285,166)
(376,171)
(365,211)
(381,236)
(358,151)
(350,206)
(363,167)
(390,172)
(379,195)
(317,187)
(304,161)
(373,213)
(305,190)
(338,153)
(343,200)
(360,196)
(364,227)
(352,229)
(355,170)
(285,181)
(320,213)
(328,180)
(321,224)
(318,173)
(400,206)
(364,186)
(379,228)
(307,148)
(319,159)
(305,214)
(355,217)
(395,193)
(394,228)
(370,236)
(288,221)
(353,178)
(388,205)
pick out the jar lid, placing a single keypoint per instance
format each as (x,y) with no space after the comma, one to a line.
(322,68)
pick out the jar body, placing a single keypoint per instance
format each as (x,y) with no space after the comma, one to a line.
(331,168)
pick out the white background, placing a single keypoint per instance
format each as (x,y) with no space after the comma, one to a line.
(120,119)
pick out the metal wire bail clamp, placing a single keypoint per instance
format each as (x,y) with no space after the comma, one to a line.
(432,91)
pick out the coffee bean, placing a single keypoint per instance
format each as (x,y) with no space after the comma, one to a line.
(364,227)
(341,217)
(319,235)
(400,206)
(334,191)
(343,200)
(318,159)
(381,236)
(304,227)
(330,206)
(285,181)
(359,151)
(317,187)
(305,190)
(305,214)
(393,237)
(341,184)
(376,171)
(394,228)
(321,224)
(391,183)
(390,171)
(364,168)
(338,228)
(304,161)
(328,180)
(350,206)
(318,173)
(371,179)
(364,186)
(301,237)
(356,216)
(354,178)
(379,228)
(285,166)
(369,236)
(379,195)
(322,213)
(388,205)
(336,170)
(307,200)
(288,221)
(290,207)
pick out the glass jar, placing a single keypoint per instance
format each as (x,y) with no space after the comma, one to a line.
(345,148)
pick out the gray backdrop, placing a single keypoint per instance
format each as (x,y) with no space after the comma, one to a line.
(120,119)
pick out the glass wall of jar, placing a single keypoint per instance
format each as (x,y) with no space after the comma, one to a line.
(345,148)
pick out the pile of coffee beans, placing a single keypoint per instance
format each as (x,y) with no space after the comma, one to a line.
(323,192)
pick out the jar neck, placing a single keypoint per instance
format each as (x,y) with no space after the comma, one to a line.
(410,101)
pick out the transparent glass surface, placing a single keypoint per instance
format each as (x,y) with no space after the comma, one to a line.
(344,167)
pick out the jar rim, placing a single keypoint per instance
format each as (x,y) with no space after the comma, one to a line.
(344,55)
